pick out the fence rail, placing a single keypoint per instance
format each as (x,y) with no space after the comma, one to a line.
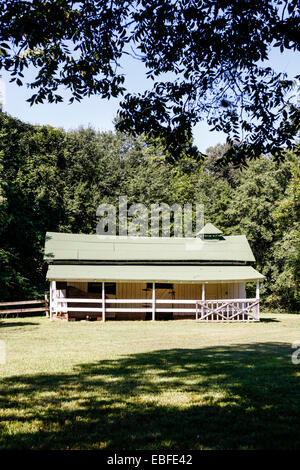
(63,307)
(20,303)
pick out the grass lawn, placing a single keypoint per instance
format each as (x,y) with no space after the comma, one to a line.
(143,385)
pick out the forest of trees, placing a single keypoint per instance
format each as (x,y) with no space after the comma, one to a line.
(53,180)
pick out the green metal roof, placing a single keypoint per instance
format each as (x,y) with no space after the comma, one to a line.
(78,247)
(152,273)
(209,229)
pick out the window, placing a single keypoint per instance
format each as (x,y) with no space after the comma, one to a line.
(110,288)
(94,287)
(61,285)
(160,285)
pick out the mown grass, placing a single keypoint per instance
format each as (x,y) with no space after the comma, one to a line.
(143,385)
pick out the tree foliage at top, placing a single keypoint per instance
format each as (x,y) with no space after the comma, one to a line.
(204,59)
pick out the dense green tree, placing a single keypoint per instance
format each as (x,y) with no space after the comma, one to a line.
(30,186)
(251,211)
(53,180)
(285,275)
(214,164)
(100,167)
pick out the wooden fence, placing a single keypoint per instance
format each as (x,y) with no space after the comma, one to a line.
(23,307)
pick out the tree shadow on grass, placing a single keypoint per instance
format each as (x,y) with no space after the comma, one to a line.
(269,320)
(240,397)
(4,324)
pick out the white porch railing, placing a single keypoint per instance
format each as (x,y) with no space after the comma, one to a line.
(61,307)
(204,310)
(227,310)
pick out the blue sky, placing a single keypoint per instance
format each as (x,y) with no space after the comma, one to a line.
(100,113)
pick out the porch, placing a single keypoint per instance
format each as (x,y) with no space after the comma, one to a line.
(152,301)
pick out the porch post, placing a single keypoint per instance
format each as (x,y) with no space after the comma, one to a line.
(52,298)
(203,298)
(257,290)
(153,301)
(257,298)
(103,301)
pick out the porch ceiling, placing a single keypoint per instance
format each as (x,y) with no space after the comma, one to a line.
(209,274)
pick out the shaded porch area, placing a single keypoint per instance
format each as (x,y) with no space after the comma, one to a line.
(117,300)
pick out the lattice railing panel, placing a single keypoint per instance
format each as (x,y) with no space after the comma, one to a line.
(228,310)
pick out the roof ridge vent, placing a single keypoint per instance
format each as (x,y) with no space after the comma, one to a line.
(210,232)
